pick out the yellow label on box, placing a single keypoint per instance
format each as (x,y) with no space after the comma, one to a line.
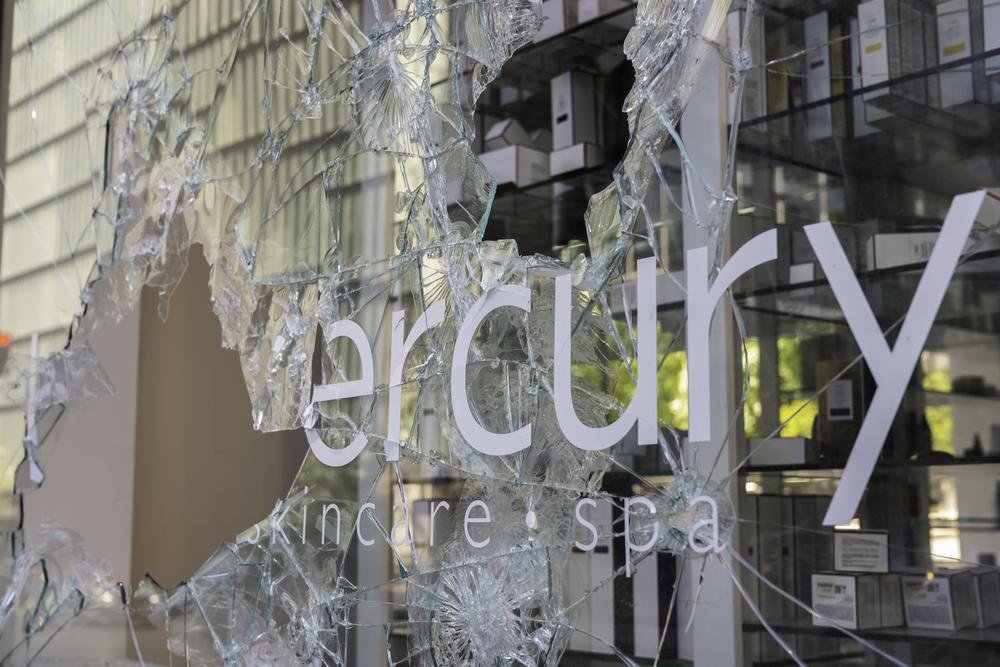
(873,48)
(953,49)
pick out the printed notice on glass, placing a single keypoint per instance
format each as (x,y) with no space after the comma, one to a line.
(840,401)
(855,551)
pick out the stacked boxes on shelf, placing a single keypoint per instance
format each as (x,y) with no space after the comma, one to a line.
(844,575)
(860,593)
(576,127)
(782,538)
(511,155)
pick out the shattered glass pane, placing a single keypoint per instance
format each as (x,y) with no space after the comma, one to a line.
(530,442)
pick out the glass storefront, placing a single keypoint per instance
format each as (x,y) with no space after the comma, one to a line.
(577,332)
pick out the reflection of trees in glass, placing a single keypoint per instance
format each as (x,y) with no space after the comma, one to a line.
(800,412)
(671,379)
(790,371)
(936,367)
(752,408)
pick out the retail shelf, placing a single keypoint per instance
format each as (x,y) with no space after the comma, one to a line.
(964,637)
(933,397)
(924,462)
(913,76)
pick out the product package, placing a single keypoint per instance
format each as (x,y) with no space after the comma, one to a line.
(850,600)
(783,451)
(860,551)
(817,68)
(891,600)
(558,16)
(942,600)
(588,10)
(577,156)
(574,110)
(986,586)
(519,165)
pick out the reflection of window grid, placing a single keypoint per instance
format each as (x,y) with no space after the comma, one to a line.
(34,297)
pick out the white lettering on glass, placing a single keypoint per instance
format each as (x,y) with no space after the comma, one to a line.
(333,392)
(586,524)
(486,442)
(398,352)
(361,513)
(642,407)
(468,520)
(629,546)
(405,523)
(715,545)
(434,509)
(700,305)
(892,368)
(322,531)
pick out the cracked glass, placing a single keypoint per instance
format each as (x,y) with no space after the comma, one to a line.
(619,333)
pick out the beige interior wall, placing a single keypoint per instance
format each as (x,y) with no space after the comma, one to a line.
(202,473)
(88,460)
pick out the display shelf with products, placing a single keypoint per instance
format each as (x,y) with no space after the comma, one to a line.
(977,637)
(880,156)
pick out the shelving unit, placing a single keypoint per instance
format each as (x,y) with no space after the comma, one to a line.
(890,177)
(896,175)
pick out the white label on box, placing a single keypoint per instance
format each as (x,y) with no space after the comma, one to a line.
(928,603)
(840,401)
(954,43)
(836,598)
(860,552)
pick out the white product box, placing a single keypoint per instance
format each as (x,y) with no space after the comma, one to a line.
(519,165)
(574,109)
(860,551)
(874,45)
(816,66)
(861,110)
(891,600)
(850,600)
(783,451)
(813,544)
(943,600)
(542,140)
(506,133)
(991,34)
(749,551)
(986,586)
(954,42)
(892,45)
(575,157)
(754,97)
(888,250)
(776,558)
(802,273)
(558,16)
(588,10)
